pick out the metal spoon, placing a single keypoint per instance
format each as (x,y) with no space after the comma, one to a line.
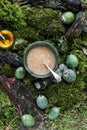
(56,76)
(2,36)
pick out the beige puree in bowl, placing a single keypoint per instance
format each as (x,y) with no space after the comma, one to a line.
(39,56)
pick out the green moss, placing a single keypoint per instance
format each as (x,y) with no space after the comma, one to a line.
(31,23)
(7,69)
(73,119)
(8,115)
(28,33)
(65,95)
(11,15)
(77,50)
(45,21)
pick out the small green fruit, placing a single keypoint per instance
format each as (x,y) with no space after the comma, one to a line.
(20,73)
(54,113)
(41,102)
(28,120)
(68,17)
(72,61)
(69,75)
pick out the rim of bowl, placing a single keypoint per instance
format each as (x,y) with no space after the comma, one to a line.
(33,45)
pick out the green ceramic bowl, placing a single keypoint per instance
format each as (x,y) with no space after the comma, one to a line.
(33,45)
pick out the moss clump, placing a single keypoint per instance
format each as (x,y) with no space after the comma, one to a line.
(65,95)
(7,69)
(28,33)
(45,21)
(31,23)
(8,115)
(42,24)
(11,15)
(73,119)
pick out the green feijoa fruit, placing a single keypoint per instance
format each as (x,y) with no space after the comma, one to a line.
(68,17)
(28,120)
(54,113)
(72,61)
(41,101)
(20,73)
(69,75)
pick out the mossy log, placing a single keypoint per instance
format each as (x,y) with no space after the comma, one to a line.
(74,6)
(23,100)
(10,58)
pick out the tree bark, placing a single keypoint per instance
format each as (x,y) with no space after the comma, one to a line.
(10,58)
(23,101)
(72,5)
(77,27)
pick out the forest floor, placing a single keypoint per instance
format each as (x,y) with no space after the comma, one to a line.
(44,24)
(74,118)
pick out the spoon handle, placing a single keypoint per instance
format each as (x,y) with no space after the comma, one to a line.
(2,36)
(56,76)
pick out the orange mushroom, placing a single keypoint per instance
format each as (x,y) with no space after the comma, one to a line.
(6,39)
